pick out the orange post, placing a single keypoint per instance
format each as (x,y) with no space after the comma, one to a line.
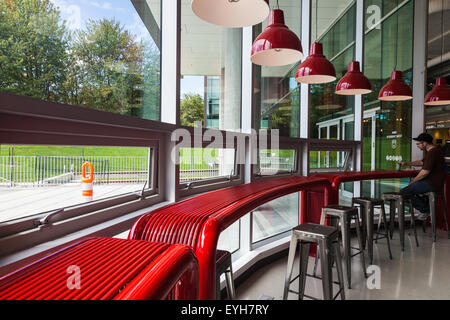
(86,182)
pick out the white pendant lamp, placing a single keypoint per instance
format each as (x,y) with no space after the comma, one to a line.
(231,13)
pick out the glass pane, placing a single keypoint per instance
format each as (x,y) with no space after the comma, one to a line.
(275,217)
(276,94)
(210,73)
(392,128)
(229,238)
(276,161)
(99,54)
(198,164)
(36,179)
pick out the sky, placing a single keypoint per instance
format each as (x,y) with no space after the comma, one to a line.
(78,12)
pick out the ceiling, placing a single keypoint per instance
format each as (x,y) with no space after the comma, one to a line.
(203,45)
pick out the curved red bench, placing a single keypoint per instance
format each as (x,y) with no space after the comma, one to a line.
(198,222)
(109,269)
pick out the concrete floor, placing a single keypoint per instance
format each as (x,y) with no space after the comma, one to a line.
(417,273)
(21,202)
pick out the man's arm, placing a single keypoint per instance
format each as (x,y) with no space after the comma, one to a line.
(421,175)
(416,163)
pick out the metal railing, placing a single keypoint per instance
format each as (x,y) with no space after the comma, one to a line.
(35,171)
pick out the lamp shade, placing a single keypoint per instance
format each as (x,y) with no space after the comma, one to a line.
(353,82)
(276,45)
(396,89)
(316,68)
(231,13)
(440,95)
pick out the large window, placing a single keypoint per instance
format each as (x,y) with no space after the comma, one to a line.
(388,45)
(331,115)
(36,179)
(210,73)
(95,54)
(276,94)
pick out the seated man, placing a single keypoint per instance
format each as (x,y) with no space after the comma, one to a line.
(430,178)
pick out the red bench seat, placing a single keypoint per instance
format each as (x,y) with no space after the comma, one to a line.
(108,269)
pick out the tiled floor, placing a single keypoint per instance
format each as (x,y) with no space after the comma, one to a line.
(417,273)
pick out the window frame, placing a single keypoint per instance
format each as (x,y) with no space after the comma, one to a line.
(31,121)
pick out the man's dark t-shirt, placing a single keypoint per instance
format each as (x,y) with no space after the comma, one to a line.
(435,162)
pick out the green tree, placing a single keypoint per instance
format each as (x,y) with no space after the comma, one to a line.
(33,49)
(109,67)
(191,109)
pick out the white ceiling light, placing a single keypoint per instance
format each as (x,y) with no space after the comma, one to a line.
(231,13)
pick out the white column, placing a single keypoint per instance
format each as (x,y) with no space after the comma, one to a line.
(246,126)
(358,120)
(170,65)
(170,88)
(304,88)
(419,74)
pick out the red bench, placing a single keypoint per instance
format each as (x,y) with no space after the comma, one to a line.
(108,269)
(198,222)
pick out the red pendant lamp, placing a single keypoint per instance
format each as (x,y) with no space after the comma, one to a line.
(231,13)
(353,82)
(396,89)
(316,68)
(440,95)
(276,45)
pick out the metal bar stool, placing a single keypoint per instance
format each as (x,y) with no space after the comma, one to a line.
(367,206)
(432,203)
(327,240)
(223,265)
(397,201)
(344,215)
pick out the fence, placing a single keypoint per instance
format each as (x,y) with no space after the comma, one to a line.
(46,170)
(38,171)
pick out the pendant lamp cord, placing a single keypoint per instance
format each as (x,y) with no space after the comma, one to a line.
(278,5)
(396,41)
(317,9)
(442,32)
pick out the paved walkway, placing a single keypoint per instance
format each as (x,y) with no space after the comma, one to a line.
(21,202)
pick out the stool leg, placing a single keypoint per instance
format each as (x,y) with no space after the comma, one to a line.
(391,217)
(413,222)
(360,240)
(444,210)
(327,275)
(401,222)
(304,257)
(230,283)
(369,222)
(378,227)
(290,265)
(364,226)
(345,231)
(337,258)
(432,203)
(316,258)
(383,213)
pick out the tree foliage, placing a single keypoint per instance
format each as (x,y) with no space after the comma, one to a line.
(33,49)
(191,109)
(101,66)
